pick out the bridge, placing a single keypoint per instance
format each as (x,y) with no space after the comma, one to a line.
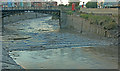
(6,12)
(12,11)
(59,12)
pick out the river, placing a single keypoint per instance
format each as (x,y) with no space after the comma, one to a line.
(41,44)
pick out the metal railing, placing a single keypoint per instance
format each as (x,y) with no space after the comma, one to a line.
(28,8)
(37,8)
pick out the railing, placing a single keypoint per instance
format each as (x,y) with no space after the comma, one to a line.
(28,8)
(38,8)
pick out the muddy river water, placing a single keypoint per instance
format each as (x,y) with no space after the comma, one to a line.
(40,44)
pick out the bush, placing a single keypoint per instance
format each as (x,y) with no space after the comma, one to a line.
(110,26)
(84,16)
(69,12)
(91,4)
(105,21)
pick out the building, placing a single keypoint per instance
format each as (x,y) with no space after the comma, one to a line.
(26,4)
(52,3)
(106,3)
(110,4)
(36,4)
(4,4)
(9,3)
(44,4)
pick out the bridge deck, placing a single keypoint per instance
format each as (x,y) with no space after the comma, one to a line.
(31,10)
(8,12)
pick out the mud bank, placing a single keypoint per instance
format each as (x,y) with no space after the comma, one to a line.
(7,61)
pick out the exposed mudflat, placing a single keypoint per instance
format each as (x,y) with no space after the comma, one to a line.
(41,44)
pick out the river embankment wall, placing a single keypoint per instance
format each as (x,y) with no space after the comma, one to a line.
(80,25)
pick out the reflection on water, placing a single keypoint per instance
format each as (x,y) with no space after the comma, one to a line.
(64,58)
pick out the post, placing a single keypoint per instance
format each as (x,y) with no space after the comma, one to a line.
(81,27)
(2,23)
(105,33)
(60,21)
(36,15)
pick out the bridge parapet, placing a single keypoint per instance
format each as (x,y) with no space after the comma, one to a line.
(29,8)
(10,11)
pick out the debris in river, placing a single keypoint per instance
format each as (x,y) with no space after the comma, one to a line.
(23,38)
(20,29)
(41,47)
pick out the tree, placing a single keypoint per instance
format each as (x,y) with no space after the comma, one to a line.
(91,4)
(76,3)
(61,5)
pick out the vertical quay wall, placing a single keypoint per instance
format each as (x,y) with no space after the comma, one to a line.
(77,24)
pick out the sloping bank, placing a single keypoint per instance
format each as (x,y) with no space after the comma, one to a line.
(7,61)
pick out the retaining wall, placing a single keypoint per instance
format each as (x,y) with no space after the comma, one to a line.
(78,24)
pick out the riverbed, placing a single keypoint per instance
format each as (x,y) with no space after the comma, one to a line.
(41,44)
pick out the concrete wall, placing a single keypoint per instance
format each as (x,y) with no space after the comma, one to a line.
(75,24)
(78,24)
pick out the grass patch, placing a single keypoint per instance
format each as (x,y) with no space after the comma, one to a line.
(110,26)
(69,12)
(95,17)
